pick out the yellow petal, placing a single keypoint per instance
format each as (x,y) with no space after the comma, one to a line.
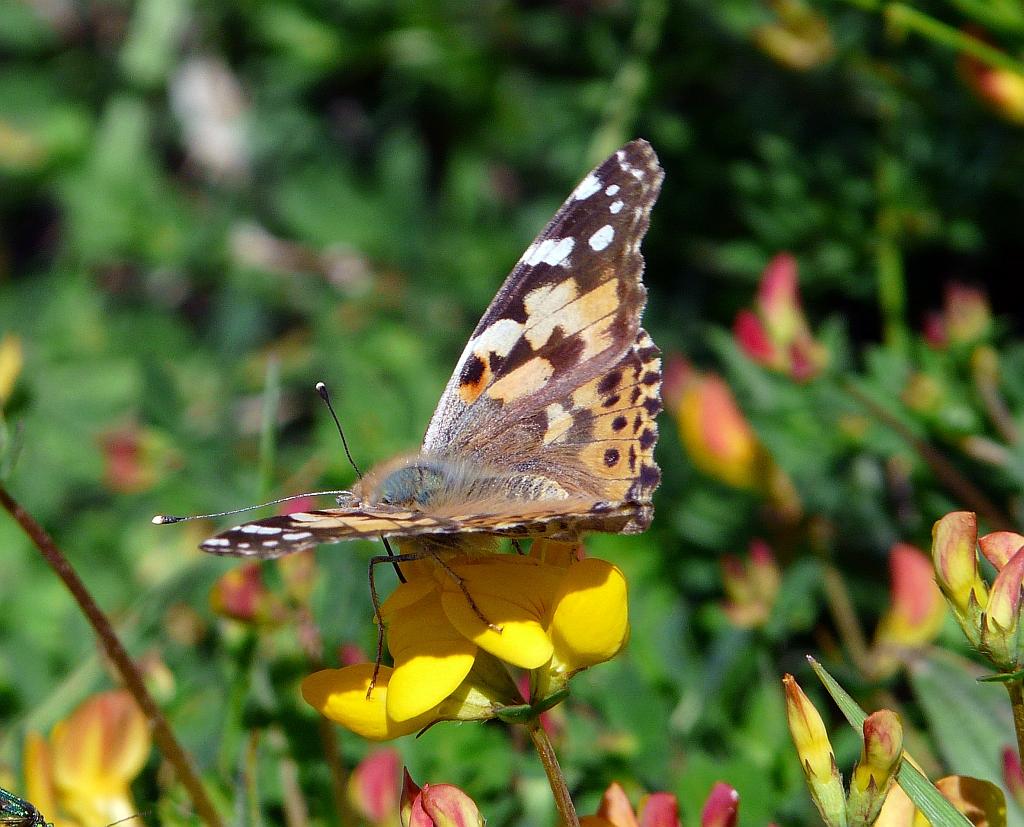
(431,658)
(102,746)
(513,595)
(340,694)
(590,622)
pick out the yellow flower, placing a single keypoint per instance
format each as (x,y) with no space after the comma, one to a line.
(545,613)
(87,767)
(11,361)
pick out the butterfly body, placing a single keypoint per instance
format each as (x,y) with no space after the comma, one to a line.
(547,425)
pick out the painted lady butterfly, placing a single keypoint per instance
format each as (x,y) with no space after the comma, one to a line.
(546,427)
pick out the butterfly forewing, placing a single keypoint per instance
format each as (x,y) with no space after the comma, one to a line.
(558,374)
(558,382)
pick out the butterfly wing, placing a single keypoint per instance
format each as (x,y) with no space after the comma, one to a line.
(287,533)
(559,378)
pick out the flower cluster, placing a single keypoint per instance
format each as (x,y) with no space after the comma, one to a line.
(776,333)
(874,774)
(989,617)
(548,613)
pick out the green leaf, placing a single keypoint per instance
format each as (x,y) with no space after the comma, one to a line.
(971,721)
(921,791)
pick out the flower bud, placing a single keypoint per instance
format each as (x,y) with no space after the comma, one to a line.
(1002,614)
(751,587)
(373,787)
(722,807)
(659,810)
(799,40)
(999,546)
(240,594)
(815,751)
(954,539)
(916,609)
(876,770)
(1013,775)
(439,805)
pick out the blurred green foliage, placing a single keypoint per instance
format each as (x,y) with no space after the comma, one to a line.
(191,191)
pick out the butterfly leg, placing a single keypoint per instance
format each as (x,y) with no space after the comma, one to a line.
(394,559)
(465,592)
(516,546)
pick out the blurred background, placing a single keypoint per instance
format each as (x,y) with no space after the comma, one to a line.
(207,207)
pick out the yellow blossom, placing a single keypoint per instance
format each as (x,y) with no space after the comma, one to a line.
(545,612)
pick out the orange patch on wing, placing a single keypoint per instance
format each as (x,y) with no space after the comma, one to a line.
(528,378)
(475,377)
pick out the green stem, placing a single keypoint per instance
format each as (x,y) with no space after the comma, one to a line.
(563,801)
(1016,690)
(119,657)
(906,17)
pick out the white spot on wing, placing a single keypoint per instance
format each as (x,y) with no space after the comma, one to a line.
(602,238)
(499,338)
(551,251)
(297,535)
(588,186)
(270,544)
(217,542)
(612,190)
(615,208)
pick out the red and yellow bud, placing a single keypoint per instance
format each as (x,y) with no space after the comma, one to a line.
(815,751)
(800,39)
(1001,89)
(999,546)
(916,608)
(240,594)
(437,805)
(776,333)
(722,807)
(373,787)
(875,772)
(714,432)
(751,586)
(1002,614)
(954,555)
(86,768)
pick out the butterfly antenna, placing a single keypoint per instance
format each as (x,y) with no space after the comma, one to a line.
(321,389)
(165,519)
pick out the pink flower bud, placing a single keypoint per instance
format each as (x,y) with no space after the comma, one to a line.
(373,787)
(721,808)
(999,546)
(1013,775)
(659,810)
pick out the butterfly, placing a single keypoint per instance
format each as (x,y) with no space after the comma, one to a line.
(16,812)
(547,426)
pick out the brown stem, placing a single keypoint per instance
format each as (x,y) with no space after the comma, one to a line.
(956,483)
(1016,690)
(845,617)
(563,801)
(126,667)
